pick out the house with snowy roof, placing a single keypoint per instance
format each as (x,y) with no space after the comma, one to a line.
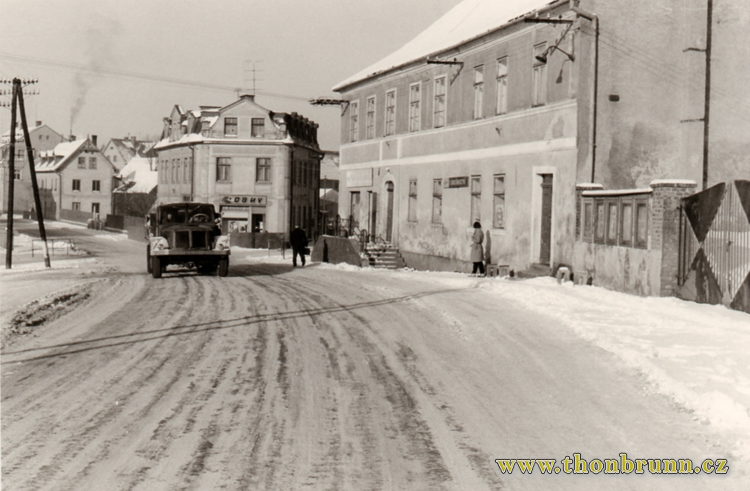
(42,138)
(75,181)
(497,111)
(120,151)
(260,169)
(135,188)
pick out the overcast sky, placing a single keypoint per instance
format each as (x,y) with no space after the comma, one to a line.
(113,68)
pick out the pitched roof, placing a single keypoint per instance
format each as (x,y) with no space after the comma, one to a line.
(137,176)
(468,20)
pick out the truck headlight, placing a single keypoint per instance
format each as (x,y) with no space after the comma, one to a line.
(222,243)
(159,243)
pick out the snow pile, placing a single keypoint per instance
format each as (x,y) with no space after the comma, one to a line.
(54,265)
(696,354)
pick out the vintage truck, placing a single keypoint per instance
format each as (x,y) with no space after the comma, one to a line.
(185,234)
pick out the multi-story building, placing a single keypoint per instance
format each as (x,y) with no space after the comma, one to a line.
(499,109)
(75,177)
(260,169)
(43,138)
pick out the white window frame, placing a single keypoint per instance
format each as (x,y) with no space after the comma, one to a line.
(501,106)
(370,117)
(415,107)
(443,105)
(478,112)
(539,77)
(390,117)
(354,121)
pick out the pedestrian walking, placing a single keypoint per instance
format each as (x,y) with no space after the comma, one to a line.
(477,251)
(299,243)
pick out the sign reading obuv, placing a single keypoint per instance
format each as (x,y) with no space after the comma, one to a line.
(458,182)
(243,200)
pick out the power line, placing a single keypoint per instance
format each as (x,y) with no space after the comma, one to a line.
(128,75)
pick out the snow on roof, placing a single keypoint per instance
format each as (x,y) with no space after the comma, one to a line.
(139,176)
(467,20)
(188,138)
(134,165)
(59,155)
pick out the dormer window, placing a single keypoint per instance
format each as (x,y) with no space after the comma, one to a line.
(258,127)
(204,127)
(230,126)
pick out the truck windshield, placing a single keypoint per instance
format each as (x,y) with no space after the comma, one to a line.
(186,213)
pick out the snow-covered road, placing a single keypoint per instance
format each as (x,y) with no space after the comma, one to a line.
(330,377)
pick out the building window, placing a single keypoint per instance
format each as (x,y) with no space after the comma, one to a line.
(81,162)
(539,79)
(263,170)
(205,126)
(76,206)
(413,200)
(186,170)
(588,220)
(96,185)
(371,118)
(437,201)
(95,208)
(600,221)
(114,158)
(476,199)
(390,112)
(626,223)
(174,172)
(478,91)
(502,86)
(258,127)
(498,202)
(612,223)
(641,223)
(17,174)
(223,168)
(438,116)
(230,126)
(414,107)
(92,162)
(354,121)
(76,184)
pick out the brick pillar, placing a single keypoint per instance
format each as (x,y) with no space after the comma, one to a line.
(665,227)
(580,188)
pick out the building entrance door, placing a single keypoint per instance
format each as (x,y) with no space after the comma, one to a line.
(354,210)
(545,242)
(389,213)
(372,226)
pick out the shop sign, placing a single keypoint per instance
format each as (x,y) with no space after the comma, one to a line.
(243,200)
(458,182)
(360,178)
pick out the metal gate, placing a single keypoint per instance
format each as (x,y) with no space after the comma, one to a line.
(714,251)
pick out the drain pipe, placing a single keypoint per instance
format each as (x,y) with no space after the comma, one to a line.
(595,19)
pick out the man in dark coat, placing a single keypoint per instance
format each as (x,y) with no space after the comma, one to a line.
(299,242)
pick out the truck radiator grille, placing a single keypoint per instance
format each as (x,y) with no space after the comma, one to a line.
(190,239)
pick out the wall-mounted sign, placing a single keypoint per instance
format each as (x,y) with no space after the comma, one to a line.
(458,182)
(243,200)
(359,178)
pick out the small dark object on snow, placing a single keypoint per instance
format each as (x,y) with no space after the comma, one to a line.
(590,281)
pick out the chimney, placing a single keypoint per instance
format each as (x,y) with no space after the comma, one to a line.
(72,138)
(39,123)
(133,140)
(93,140)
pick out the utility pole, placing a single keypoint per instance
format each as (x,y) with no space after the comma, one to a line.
(17,102)
(32,172)
(707,96)
(707,102)
(11,181)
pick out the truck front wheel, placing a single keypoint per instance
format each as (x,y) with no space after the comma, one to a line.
(224,267)
(156,266)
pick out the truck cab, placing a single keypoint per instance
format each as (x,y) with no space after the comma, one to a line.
(186,234)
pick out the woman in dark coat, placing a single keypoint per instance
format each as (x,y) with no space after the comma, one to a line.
(477,251)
